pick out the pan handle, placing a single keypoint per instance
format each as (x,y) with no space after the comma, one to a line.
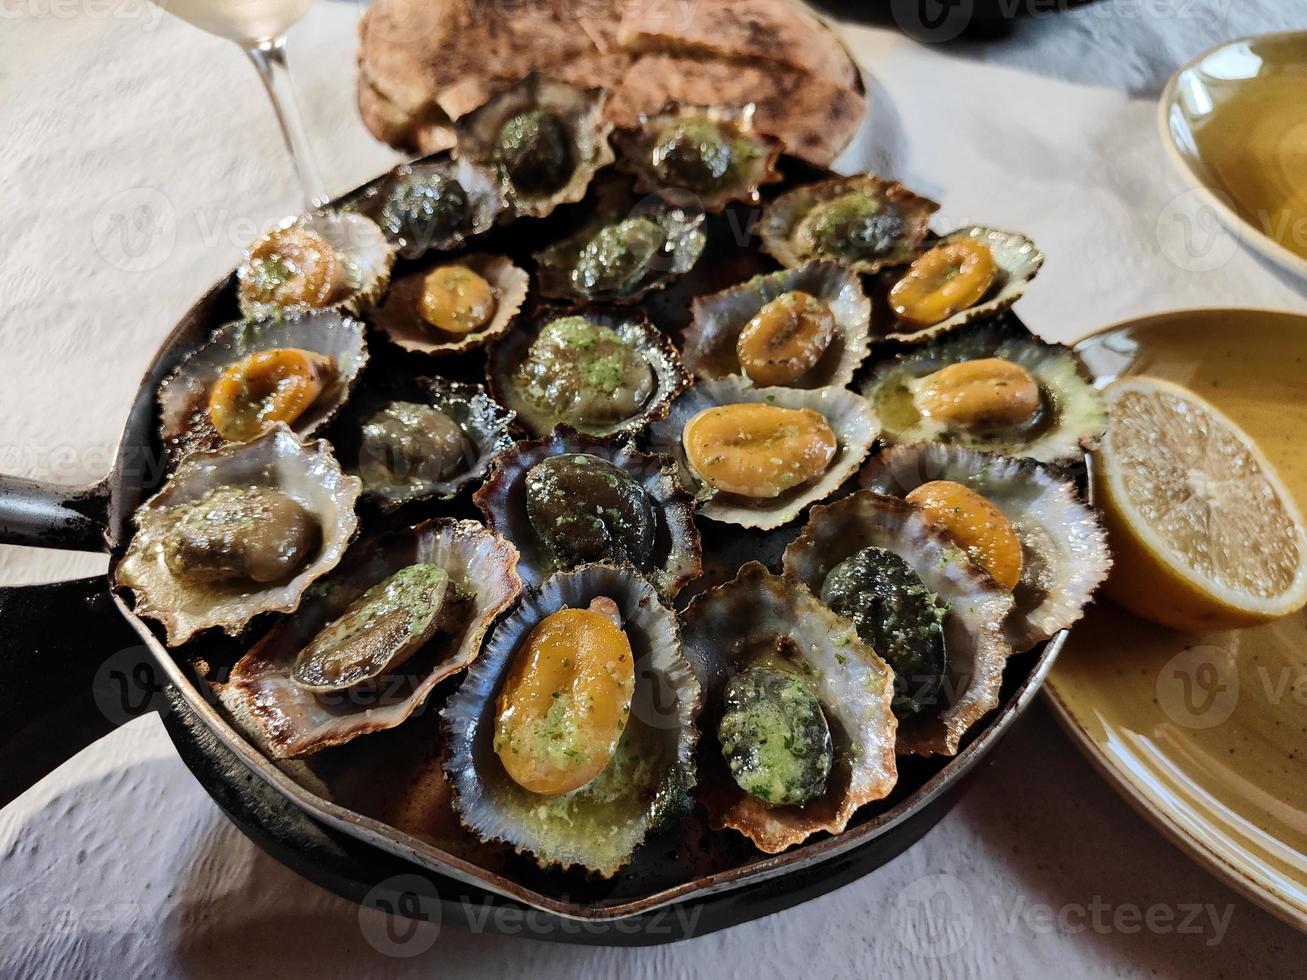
(49,515)
(71,670)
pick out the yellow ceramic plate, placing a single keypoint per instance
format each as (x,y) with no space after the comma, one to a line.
(1234,121)
(1207,735)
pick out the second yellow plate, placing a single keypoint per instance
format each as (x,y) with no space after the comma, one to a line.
(1207,735)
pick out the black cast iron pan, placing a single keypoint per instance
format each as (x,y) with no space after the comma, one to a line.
(75,661)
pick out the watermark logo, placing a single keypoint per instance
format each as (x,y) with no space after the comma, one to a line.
(135,230)
(933,21)
(1191,236)
(1198,687)
(129,684)
(934,916)
(400,917)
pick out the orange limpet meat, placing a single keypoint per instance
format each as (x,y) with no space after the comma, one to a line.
(977,525)
(985,393)
(265,388)
(943,281)
(758,450)
(456,299)
(566,700)
(293,267)
(786,338)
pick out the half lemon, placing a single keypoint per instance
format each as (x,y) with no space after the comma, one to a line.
(1204,532)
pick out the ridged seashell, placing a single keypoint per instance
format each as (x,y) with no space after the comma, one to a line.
(709,344)
(502,500)
(362,250)
(278,460)
(853,422)
(749,162)
(973,628)
(1017,261)
(184,394)
(505,355)
(673,248)
(724,629)
(788,235)
(485,425)
(581,111)
(1064,548)
(399,317)
(1071,418)
(599,825)
(411,205)
(291,721)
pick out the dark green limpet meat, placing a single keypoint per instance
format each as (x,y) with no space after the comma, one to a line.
(585,509)
(423,209)
(535,151)
(381,629)
(774,736)
(584,373)
(898,617)
(618,255)
(235,535)
(622,255)
(414,442)
(853,226)
(694,154)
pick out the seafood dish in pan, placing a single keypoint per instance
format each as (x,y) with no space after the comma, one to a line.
(625,539)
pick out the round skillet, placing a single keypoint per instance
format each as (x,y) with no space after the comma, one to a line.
(76,662)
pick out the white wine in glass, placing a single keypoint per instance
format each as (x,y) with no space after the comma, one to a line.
(259,27)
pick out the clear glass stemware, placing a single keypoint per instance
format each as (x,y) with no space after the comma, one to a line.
(259,27)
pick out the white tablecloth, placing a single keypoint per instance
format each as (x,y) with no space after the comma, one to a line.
(119,865)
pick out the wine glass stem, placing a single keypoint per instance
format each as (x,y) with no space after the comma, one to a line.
(269,58)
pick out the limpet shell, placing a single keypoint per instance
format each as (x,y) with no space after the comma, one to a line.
(582,111)
(709,342)
(781,219)
(854,423)
(362,248)
(1017,261)
(1075,413)
(973,629)
(724,628)
(682,246)
(291,721)
(485,423)
(635,146)
(184,394)
(599,825)
(631,325)
(399,318)
(384,205)
(1065,552)
(502,501)
(306,472)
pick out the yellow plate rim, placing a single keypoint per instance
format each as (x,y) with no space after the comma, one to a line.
(1243,230)
(1147,805)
